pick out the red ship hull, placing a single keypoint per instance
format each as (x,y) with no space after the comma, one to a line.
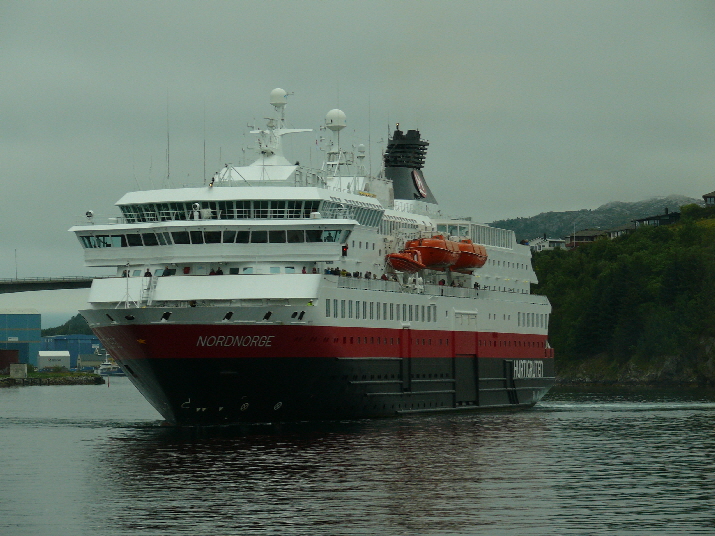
(216,374)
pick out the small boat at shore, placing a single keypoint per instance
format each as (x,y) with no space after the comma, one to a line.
(108,368)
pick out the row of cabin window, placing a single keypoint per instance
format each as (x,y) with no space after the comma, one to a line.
(365,215)
(393,341)
(291,236)
(480,234)
(380,311)
(226,210)
(231,271)
(522,344)
(533,320)
(390,224)
(507,264)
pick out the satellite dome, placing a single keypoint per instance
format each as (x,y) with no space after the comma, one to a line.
(278,97)
(361,148)
(335,120)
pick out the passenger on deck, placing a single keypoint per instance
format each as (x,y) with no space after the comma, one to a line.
(315,270)
(166,272)
(219,271)
(147,273)
(304,270)
(212,272)
(384,277)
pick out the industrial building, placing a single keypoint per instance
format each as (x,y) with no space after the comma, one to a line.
(20,329)
(75,344)
(50,360)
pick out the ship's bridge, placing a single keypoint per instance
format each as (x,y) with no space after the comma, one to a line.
(214,241)
(275,203)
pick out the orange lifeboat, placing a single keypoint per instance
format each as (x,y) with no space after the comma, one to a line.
(435,252)
(405,261)
(471,256)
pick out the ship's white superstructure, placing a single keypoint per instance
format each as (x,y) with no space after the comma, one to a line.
(277,260)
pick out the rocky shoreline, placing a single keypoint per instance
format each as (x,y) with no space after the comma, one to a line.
(85,379)
(666,371)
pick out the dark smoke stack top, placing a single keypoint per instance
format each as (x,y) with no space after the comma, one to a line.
(404,160)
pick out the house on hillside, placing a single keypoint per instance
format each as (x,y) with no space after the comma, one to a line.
(620,231)
(585,236)
(709,199)
(546,244)
(667,218)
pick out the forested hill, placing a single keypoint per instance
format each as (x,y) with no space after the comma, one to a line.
(76,325)
(640,307)
(608,216)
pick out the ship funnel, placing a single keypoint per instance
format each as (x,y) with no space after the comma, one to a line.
(404,159)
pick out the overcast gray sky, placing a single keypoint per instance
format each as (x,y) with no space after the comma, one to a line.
(528,106)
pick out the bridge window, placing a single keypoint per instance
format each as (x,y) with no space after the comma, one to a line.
(242,210)
(294,209)
(331,236)
(313,235)
(212,237)
(295,236)
(261,209)
(277,237)
(259,237)
(150,239)
(180,237)
(134,240)
(278,209)
(229,237)
(197,237)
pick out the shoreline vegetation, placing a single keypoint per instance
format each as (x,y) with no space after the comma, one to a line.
(53,378)
(638,309)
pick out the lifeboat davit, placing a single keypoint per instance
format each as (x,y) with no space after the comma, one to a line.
(406,261)
(471,256)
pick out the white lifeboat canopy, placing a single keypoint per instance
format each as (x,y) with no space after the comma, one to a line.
(335,120)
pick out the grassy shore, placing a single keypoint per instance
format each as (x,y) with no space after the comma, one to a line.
(53,378)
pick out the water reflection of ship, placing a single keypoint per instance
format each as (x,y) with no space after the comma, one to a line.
(379,466)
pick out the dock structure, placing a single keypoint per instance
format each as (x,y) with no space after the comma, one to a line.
(29,284)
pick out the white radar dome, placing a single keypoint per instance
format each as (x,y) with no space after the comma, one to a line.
(361,148)
(335,120)
(278,97)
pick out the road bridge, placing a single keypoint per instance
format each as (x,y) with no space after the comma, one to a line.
(44,283)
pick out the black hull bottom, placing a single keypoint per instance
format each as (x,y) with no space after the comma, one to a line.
(254,390)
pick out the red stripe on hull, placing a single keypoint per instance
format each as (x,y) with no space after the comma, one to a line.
(163,341)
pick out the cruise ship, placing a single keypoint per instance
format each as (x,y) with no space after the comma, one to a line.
(279,292)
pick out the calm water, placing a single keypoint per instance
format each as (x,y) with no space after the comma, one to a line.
(94,460)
